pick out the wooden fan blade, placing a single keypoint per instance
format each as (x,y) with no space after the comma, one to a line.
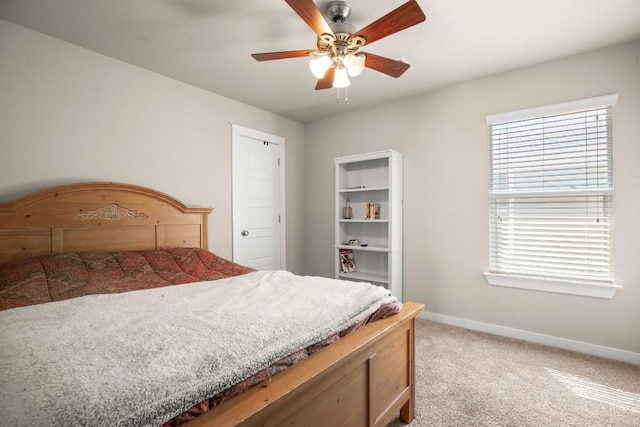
(308,11)
(405,16)
(327,81)
(269,56)
(390,67)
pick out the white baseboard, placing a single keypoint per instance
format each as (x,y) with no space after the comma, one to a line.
(582,347)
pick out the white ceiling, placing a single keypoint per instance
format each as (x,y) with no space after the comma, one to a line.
(208,43)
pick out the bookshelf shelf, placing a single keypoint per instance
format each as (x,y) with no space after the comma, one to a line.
(365,277)
(364,248)
(363,220)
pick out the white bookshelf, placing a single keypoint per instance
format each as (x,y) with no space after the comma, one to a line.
(370,178)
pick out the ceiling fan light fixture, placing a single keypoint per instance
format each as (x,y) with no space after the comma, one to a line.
(319,65)
(341,78)
(354,64)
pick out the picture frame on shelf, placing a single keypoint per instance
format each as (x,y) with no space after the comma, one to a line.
(347,261)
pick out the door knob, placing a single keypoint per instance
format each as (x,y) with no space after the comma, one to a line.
(245,232)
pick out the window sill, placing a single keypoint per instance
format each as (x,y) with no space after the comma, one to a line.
(597,290)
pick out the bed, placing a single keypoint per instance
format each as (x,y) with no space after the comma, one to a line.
(363,374)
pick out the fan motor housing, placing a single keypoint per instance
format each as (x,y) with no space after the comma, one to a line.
(338,11)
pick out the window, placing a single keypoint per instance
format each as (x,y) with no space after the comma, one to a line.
(551,198)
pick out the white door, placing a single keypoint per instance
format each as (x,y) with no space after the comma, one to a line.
(258,199)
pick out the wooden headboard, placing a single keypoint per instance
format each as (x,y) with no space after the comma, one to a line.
(97,216)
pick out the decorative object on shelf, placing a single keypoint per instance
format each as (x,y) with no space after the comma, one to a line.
(354,242)
(347,212)
(347,261)
(373,211)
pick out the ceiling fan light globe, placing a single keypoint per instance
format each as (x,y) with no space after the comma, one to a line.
(354,64)
(341,79)
(320,65)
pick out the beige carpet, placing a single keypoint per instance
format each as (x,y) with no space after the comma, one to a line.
(467,378)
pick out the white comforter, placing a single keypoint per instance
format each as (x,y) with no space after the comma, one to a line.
(142,357)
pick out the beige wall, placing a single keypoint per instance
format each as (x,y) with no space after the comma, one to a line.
(69,115)
(444,140)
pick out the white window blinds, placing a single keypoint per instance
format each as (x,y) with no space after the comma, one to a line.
(551,190)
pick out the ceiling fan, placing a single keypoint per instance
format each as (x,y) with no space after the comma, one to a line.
(337,55)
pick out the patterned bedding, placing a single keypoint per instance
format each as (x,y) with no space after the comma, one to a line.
(59,277)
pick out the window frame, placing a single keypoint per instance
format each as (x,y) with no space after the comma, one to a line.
(560,285)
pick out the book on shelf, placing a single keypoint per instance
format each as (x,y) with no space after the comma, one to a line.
(347,261)
(373,211)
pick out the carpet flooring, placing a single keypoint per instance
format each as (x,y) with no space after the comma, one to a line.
(468,378)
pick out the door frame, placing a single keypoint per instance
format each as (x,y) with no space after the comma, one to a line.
(241,131)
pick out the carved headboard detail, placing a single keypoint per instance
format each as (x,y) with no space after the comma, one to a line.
(97,216)
(112,212)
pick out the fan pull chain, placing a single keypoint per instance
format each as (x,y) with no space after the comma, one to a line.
(346,96)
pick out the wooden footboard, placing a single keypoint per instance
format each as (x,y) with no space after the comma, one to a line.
(362,380)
